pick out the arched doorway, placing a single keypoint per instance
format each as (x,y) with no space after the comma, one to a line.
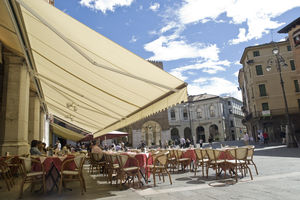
(151,133)
(200,134)
(188,134)
(214,132)
(175,134)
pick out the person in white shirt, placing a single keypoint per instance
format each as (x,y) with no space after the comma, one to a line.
(246,138)
(58,145)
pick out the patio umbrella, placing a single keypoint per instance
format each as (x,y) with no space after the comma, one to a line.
(87,137)
(112,134)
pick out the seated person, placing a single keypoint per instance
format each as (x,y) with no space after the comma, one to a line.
(95,147)
(34,148)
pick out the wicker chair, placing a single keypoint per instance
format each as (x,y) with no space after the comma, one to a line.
(172,162)
(250,157)
(30,176)
(97,162)
(160,165)
(112,167)
(72,175)
(6,175)
(213,161)
(128,173)
(240,161)
(183,162)
(201,160)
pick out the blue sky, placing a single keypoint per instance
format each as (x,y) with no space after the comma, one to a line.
(199,41)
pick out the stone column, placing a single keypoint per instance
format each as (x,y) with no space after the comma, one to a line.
(34,117)
(14,105)
(42,125)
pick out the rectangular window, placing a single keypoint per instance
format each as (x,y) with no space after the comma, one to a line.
(256,53)
(292,63)
(289,48)
(296,86)
(262,90)
(259,70)
(231,123)
(299,103)
(229,103)
(265,106)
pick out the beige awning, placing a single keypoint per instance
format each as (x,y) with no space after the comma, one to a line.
(66,133)
(8,34)
(87,79)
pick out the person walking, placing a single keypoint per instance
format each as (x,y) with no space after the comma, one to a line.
(246,138)
(266,137)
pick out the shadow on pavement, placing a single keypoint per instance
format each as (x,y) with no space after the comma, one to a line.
(279,152)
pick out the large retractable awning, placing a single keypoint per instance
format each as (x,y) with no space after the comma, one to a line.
(85,78)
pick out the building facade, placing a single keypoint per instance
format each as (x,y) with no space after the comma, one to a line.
(207,116)
(259,80)
(293,30)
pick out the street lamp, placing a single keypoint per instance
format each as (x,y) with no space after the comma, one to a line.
(190,120)
(280,62)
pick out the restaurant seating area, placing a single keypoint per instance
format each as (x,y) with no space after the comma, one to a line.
(121,169)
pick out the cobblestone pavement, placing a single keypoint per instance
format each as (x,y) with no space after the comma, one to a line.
(279,178)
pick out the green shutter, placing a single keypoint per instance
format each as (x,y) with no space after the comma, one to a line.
(262,90)
(259,70)
(292,63)
(296,86)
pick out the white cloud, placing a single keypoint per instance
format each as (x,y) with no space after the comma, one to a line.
(179,75)
(237,62)
(171,48)
(257,14)
(133,39)
(154,7)
(208,66)
(105,5)
(214,85)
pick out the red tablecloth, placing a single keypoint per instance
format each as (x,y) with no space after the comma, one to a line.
(189,153)
(142,158)
(225,155)
(57,162)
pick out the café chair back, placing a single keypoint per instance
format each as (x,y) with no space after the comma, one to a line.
(213,161)
(128,172)
(6,175)
(67,175)
(160,166)
(240,161)
(33,172)
(201,160)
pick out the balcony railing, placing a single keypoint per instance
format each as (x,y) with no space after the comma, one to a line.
(273,112)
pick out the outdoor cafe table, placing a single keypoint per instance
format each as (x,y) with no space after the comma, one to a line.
(143,158)
(52,166)
(225,155)
(189,153)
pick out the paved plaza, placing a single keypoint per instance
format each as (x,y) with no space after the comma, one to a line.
(279,178)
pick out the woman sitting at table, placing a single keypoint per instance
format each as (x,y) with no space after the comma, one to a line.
(95,147)
(34,148)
